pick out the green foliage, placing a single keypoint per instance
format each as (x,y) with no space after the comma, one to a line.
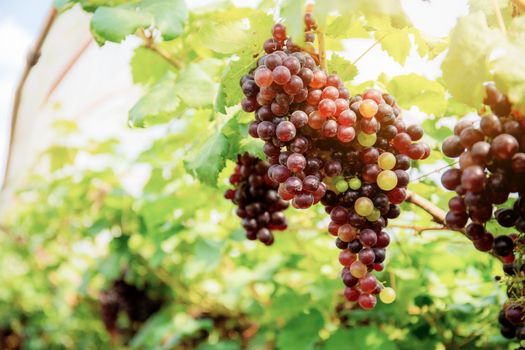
(346,70)
(115,23)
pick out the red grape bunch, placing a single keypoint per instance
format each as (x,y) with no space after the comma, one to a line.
(350,153)
(259,205)
(135,303)
(491,167)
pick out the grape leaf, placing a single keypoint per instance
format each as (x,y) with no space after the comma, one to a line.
(169,15)
(157,106)
(292,12)
(465,67)
(301,332)
(147,67)
(344,68)
(415,90)
(339,28)
(208,161)
(231,77)
(395,42)
(509,75)
(195,87)
(115,23)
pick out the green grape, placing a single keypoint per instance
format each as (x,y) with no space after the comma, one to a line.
(341,185)
(387,180)
(366,140)
(376,213)
(387,295)
(363,206)
(354,183)
(386,161)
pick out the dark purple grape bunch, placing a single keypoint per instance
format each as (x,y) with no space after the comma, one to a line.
(512,316)
(127,299)
(258,203)
(491,153)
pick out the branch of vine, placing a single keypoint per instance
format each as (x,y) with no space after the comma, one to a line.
(149,43)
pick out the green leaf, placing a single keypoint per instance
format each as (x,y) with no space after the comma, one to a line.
(341,29)
(344,68)
(206,164)
(415,90)
(301,332)
(292,12)
(227,33)
(115,23)
(157,106)
(369,338)
(465,67)
(509,75)
(231,77)
(395,42)
(195,87)
(170,16)
(148,67)
(223,345)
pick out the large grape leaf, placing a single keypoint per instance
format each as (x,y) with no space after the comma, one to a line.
(115,23)
(292,12)
(509,75)
(301,332)
(157,106)
(344,68)
(208,160)
(230,80)
(147,67)
(395,42)
(195,87)
(466,67)
(415,90)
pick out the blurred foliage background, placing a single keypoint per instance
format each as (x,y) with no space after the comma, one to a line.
(91,213)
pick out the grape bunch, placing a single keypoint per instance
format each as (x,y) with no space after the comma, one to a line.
(491,166)
(351,153)
(512,317)
(259,205)
(130,300)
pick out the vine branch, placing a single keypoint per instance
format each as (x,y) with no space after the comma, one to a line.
(438,215)
(369,48)
(520,4)
(149,43)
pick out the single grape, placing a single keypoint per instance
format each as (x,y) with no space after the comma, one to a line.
(285,131)
(341,185)
(386,161)
(387,180)
(366,140)
(364,206)
(263,77)
(358,269)
(368,108)
(387,295)
(367,301)
(354,183)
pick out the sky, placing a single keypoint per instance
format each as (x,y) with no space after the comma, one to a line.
(21,22)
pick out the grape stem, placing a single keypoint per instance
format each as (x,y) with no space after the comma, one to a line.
(369,48)
(149,43)
(437,214)
(322,49)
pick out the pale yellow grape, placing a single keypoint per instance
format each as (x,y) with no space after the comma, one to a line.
(341,185)
(358,269)
(366,140)
(387,295)
(354,183)
(364,206)
(386,161)
(387,180)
